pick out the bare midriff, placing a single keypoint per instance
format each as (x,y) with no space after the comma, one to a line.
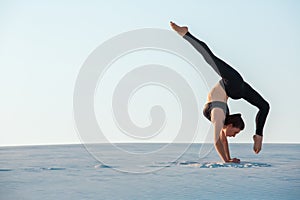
(217,93)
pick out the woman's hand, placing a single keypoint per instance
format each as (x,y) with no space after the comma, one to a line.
(234,160)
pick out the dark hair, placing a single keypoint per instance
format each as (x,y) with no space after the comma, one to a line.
(236,121)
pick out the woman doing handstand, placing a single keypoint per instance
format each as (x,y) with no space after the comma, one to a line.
(231,85)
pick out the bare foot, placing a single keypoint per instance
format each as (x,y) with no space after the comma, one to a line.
(181,30)
(257,143)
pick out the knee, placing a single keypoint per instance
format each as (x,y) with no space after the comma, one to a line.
(266,107)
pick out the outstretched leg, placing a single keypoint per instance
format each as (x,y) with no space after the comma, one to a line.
(219,66)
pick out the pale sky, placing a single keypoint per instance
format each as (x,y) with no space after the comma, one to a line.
(43,45)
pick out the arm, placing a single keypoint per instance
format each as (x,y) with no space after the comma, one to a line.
(217,118)
(225,145)
(226,149)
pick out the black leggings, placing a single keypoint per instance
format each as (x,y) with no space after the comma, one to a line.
(232,82)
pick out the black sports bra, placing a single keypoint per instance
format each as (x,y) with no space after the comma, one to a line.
(215,104)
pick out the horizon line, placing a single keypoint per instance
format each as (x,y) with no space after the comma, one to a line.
(61,144)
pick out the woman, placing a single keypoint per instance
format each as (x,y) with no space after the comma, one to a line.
(231,85)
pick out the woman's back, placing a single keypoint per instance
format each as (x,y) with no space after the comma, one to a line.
(217,94)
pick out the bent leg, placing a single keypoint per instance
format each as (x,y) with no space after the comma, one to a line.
(257,100)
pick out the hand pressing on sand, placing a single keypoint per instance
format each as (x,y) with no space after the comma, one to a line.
(234,160)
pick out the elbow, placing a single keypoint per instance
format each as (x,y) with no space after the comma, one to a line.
(219,138)
(217,141)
